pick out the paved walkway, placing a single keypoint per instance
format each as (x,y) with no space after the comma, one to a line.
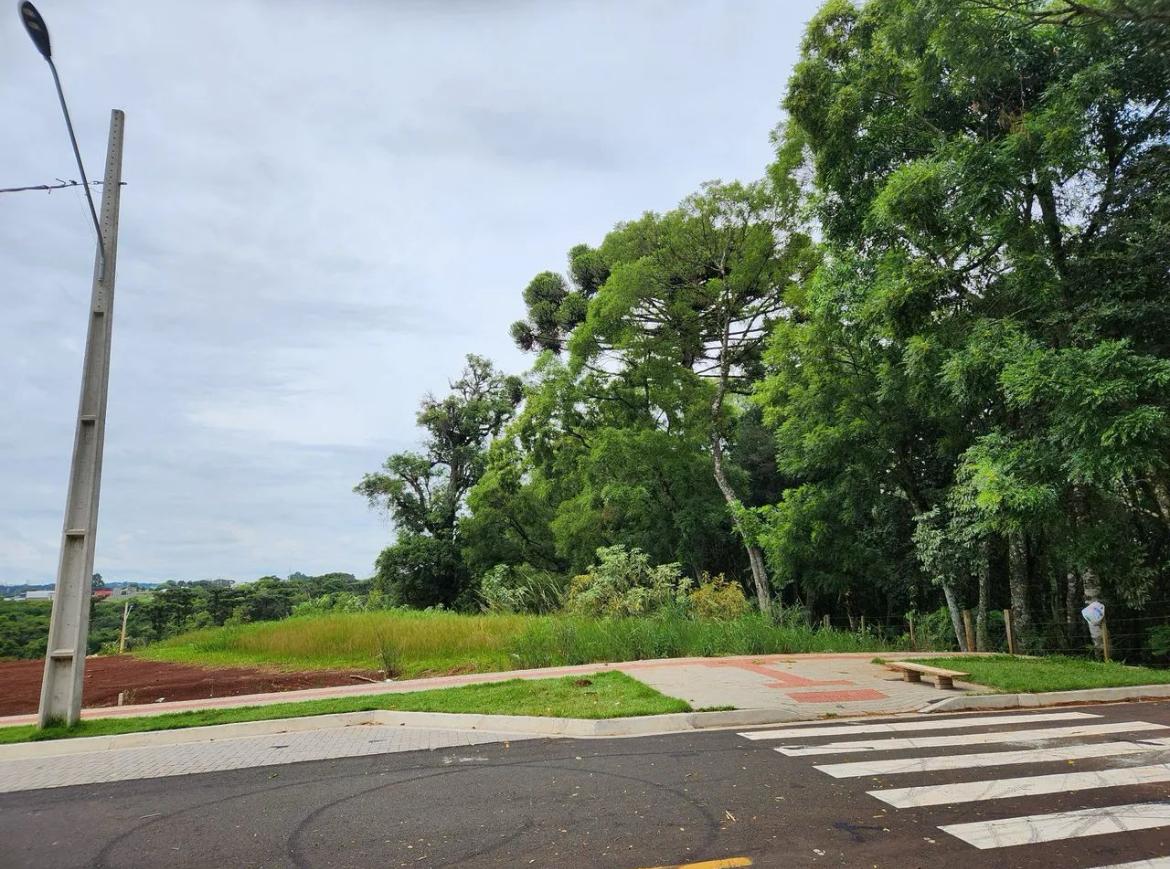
(791,686)
(809,686)
(126,764)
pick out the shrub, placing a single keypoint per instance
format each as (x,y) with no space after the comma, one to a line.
(718,599)
(623,583)
(1158,640)
(521,589)
(340,602)
(935,631)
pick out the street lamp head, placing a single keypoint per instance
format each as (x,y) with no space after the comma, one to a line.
(38,31)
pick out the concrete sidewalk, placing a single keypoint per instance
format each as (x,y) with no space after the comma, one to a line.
(763,688)
(803,686)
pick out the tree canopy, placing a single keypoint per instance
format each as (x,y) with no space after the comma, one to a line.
(923,362)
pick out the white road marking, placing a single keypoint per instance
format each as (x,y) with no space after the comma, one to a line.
(971,738)
(1156,863)
(858,768)
(1032,829)
(1024,786)
(896,727)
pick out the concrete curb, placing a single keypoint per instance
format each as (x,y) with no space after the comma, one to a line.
(972,702)
(574,728)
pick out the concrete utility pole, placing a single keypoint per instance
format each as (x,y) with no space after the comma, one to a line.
(69,627)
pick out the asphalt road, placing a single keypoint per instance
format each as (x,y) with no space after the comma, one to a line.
(649,801)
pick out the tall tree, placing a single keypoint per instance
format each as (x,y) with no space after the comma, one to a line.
(973,179)
(698,290)
(423,493)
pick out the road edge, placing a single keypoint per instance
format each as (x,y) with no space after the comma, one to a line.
(579,728)
(973,702)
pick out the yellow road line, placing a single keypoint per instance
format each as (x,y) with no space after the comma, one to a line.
(725,863)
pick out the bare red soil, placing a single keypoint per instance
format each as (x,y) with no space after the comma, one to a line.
(148,681)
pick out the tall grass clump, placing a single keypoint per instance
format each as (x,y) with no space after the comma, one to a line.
(574,640)
(409,641)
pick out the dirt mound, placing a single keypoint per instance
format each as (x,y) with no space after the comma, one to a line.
(147,681)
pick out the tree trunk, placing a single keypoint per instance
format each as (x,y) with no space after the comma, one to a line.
(755,556)
(956,616)
(1071,605)
(1090,581)
(1162,496)
(1018,584)
(981,639)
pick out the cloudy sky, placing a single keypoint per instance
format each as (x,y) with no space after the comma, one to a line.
(327,205)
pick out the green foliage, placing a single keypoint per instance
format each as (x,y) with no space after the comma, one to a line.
(435,643)
(623,583)
(420,571)
(924,362)
(522,589)
(933,630)
(562,641)
(1158,641)
(341,602)
(423,493)
(970,389)
(424,642)
(24,628)
(717,599)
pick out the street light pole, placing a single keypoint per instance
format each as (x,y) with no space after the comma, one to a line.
(64,674)
(38,31)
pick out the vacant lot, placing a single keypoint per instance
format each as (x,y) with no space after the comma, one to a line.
(147,681)
(411,644)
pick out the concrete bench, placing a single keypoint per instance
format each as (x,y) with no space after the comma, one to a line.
(915,672)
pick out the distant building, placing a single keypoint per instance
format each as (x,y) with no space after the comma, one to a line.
(102,593)
(120,591)
(47,594)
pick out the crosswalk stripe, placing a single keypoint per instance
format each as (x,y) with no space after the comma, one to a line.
(897,727)
(971,738)
(854,769)
(1032,829)
(1024,786)
(1156,863)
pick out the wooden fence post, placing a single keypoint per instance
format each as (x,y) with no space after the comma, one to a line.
(913,639)
(969,630)
(862,630)
(1011,632)
(825,621)
(1106,650)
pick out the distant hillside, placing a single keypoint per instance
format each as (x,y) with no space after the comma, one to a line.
(13,590)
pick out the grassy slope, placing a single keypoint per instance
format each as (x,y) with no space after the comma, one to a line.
(423,642)
(430,643)
(602,695)
(1027,675)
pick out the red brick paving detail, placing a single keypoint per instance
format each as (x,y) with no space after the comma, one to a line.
(837,696)
(809,683)
(779,678)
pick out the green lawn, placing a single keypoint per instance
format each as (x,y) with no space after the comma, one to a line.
(599,695)
(1028,675)
(416,644)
